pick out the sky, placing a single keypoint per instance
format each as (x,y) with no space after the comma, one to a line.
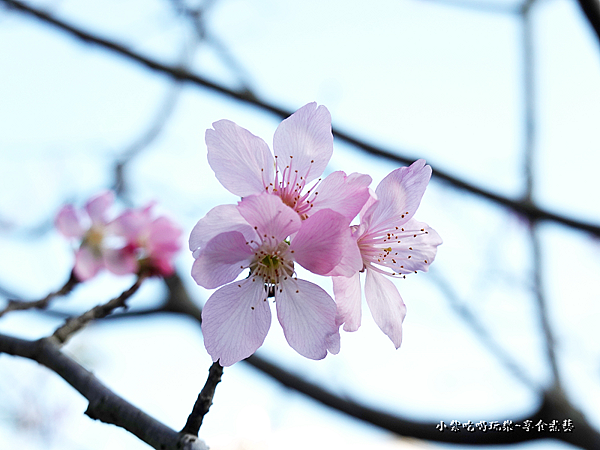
(427,79)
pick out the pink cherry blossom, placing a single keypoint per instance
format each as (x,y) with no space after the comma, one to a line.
(150,243)
(90,227)
(303,145)
(392,243)
(266,236)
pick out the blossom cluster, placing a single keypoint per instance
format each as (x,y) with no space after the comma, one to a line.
(135,242)
(288,215)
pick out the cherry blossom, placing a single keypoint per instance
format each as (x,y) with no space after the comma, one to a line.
(268,237)
(302,146)
(90,226)
(150,243)
(392,243)
(133,243)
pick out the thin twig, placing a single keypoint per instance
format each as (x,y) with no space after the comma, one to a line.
(204,400)
(529,151)
(19,305)
(526,209)
(71,326)
(484,336)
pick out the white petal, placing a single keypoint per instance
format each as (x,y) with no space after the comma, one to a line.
(304,141)
(241,161)
(343,194)
(348,298)
(386,305)
(417,251)
(222,260)
(220,219)
(399,195)
(272,219)
(307,314)
(235,321)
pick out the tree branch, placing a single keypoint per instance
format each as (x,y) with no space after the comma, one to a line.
(524,208)
(591,9)
(62,334)
(104,405)
(18,305)
(204,401)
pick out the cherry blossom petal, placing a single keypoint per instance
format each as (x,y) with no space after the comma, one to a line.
(348,299)
(97,207)
(399,195)
(222,260)
(307,314)
(241,161)
(370,201)
(386,305)
(343,194)
(334,343)
(129,224)
(304,142)
(121,261)
(163,236)
(86,264)
(272,219)
(351,260)
(417,251)
(322,239)
(235,321)
(68,223)
(220,219)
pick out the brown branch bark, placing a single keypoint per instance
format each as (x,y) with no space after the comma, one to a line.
(204,401)
(522,207)
(18,305)
(71,326)
(104,405)
(553,403)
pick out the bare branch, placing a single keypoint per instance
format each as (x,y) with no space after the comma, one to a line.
(524,208)
(591,9)
(204,401)
(486,339)
(553,405)
(104,405)
(62,334)
(18,305)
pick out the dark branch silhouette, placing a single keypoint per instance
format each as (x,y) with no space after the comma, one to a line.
(20,305)
(204,401)
(104,404)
(591,9)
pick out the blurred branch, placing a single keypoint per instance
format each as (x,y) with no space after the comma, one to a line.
(204,401)
(75,324)
(591,9)
(142,142)
(19,305)
(529,151)
(485,338)
(526,209)
(487,6)
(104,405)
(196,16)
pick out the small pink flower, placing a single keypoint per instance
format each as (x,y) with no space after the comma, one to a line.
(150,243)
(392,243)
(303,145)
(89,226)
(255,235)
